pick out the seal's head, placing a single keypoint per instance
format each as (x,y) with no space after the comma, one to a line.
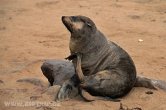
(79,26)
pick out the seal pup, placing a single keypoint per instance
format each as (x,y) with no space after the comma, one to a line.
(57,71)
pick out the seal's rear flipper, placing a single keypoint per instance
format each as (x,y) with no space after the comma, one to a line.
(150,83)
(159,83)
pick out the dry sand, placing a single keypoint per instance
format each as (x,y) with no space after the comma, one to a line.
(31,31)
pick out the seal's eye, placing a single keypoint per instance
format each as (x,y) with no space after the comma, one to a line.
(74,18)
(88,24)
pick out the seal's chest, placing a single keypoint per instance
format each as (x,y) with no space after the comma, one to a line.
(88,66)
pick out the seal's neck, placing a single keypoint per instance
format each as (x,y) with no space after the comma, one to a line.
(93,43)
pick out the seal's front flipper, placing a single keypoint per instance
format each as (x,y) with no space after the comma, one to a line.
(78,68)
(88,97)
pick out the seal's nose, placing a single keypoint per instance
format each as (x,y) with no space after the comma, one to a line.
(65,18)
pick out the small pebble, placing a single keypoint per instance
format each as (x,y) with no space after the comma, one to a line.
(149,92)
(140,40)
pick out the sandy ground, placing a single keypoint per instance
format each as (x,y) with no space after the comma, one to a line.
(31,31)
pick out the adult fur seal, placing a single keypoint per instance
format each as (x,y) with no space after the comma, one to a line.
(109,70)
(102,67)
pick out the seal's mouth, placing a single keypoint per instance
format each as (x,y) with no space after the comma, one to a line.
(67,22)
